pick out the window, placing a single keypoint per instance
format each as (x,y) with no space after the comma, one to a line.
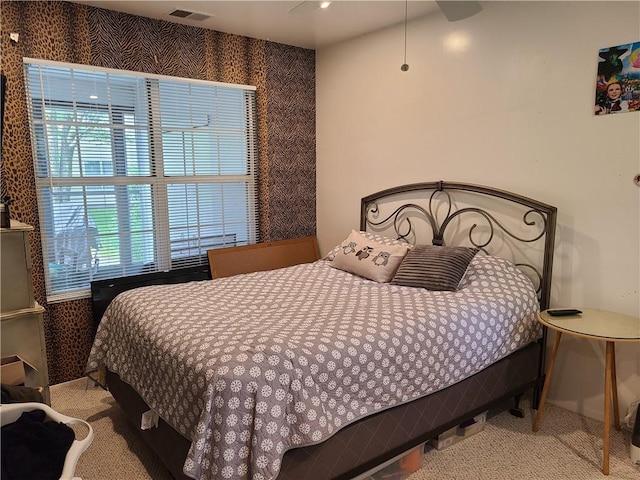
(137,173)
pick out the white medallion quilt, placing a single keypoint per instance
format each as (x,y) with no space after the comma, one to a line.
(250,366)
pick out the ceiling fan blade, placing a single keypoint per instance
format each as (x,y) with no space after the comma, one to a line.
(305,7)
(458,10)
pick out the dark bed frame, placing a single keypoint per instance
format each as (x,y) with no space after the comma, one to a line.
(376,439)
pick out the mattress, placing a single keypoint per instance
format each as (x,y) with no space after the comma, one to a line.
(248,367)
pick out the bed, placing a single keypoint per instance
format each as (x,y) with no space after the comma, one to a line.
(313,371)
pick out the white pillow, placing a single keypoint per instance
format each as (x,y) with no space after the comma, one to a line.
(369,259)
(372,237)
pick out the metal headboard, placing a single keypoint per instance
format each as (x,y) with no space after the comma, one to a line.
(537,218)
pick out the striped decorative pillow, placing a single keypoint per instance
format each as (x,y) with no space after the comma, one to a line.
(434,268)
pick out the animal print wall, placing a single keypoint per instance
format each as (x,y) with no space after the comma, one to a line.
(62,31)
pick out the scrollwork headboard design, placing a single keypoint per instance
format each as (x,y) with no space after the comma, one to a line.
(481,222)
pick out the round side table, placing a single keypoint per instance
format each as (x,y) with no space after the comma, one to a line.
(609,327)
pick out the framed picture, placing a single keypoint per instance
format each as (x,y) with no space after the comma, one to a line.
(618,80)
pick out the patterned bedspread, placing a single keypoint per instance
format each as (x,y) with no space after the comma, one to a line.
(250,366)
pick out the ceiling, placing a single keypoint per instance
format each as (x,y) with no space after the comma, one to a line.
(307,27)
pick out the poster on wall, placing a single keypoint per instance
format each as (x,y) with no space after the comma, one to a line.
(618,82)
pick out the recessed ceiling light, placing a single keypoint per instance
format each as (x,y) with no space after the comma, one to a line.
(93,97)
(307,6)
(457,42)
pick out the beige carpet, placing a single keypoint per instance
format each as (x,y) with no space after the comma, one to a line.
(567,446)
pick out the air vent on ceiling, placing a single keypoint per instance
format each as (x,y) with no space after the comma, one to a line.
(189,15)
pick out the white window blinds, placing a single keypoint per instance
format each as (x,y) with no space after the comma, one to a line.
(137,173)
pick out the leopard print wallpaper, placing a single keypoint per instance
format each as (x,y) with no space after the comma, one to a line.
(292,167)
(62,31)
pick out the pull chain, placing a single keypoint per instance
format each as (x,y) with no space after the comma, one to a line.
(405,65)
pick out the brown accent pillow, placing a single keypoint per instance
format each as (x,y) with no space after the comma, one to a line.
(433,267)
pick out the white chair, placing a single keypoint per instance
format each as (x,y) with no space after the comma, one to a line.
(11,412)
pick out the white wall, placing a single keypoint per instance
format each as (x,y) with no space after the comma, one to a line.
(514,110)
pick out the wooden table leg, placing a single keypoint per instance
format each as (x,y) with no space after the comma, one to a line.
(614,387)
(607,406)
(547,381)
